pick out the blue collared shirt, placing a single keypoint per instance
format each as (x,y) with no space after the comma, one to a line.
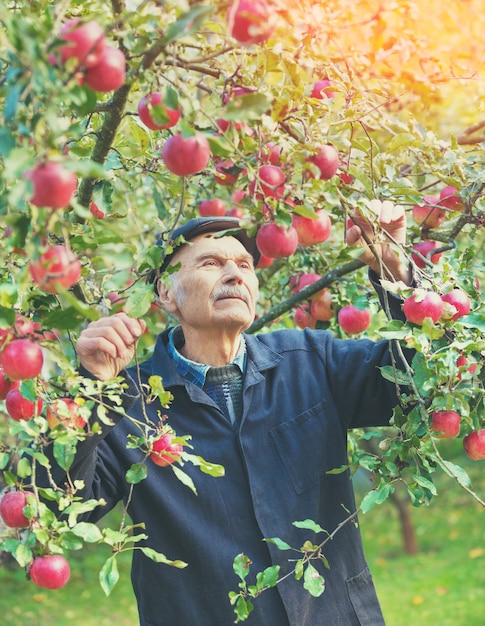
(192,370)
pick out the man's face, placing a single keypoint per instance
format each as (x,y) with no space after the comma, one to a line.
(216,286)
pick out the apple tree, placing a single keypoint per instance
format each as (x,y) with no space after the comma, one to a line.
(120,120)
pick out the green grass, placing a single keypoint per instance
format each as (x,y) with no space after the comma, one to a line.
(81,602)
(443,585)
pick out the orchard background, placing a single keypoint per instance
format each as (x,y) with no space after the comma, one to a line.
(394,89)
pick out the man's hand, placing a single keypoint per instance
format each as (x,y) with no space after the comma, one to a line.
(381,236)
(106,346)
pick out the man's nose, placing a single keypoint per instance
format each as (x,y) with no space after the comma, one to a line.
(232,272)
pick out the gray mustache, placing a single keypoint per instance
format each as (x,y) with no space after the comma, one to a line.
(230,292)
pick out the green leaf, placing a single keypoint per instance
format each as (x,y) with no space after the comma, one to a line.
(70,541)
(139,300)
(136,473)
(279,543)
(88,532)
(243,609)
(309,524)
(394,375)
(7,142)
(313,582)
(184,478)
(299,569)
(267,578)
(241,565)
(212,469)
(157,389)
(456,472)
(79,508)
(4,460)
(220,146)
(400,141)
(426,483)
(23,555)
(23,468)
(474,320)
(12,101)
(64,453)
(249,107)
(158,557)
(338,470)
(109,575)
(376,496)
(188,23)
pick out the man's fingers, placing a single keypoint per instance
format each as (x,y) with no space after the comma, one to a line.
(353,236)
(113,335)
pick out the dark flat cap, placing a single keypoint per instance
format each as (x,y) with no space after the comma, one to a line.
(203,225)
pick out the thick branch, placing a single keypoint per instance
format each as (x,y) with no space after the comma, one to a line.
(106,136)
(305,293)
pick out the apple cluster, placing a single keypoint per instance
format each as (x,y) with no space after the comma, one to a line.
(95,63)
(449,306)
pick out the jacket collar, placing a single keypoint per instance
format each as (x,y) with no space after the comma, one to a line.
(259,359)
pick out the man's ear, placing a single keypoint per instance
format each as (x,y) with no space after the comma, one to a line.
(166,295)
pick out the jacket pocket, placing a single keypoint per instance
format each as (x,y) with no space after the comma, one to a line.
(307,449)
(364,599)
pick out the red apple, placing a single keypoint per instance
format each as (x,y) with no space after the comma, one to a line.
(53,185)
(312,231)
(326,160)
(459,300)
(353,320)
(12,507)
(264,261)
(165,451)
(322,89)
(445,424)
(474,445)
(6,385)
(57,269)
(64,411)
(450,199)
(462,361)
(423,249)
(429,215)
(215,206)
(21,359)
(270,153)
(248,21)
(96,211)
(227,173)
(156,113)
(300,281)
(238,195)
(270,182)
(303,318)
(50,571)
(24,327)
(20,408)
(235,212)
(418,307)
(109,73)
(185,156)
(321,308)
(276,241)
(86,42)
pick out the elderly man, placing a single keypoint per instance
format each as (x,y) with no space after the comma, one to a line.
(273,410)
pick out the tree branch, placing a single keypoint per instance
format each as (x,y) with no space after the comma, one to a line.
(101,149)
(304,293)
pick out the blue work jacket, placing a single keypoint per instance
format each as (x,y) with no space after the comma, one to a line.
(302,391)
